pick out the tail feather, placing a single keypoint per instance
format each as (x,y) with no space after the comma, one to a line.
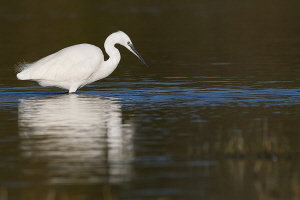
(20,69)
(21,76)
(21,66)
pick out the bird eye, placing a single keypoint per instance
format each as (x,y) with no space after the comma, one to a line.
(128,42)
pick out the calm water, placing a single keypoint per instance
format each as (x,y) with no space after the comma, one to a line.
(215,116)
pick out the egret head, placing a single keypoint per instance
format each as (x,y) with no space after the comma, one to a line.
(125,41)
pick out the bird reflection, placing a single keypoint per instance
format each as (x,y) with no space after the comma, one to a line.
(75,139)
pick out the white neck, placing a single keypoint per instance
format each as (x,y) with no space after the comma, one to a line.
(112,51)
(114,58)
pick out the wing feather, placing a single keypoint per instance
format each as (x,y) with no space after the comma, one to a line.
(72,64)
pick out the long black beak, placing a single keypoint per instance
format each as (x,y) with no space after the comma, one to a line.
(137,54)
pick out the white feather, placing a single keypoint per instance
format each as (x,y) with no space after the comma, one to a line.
(75,66)
(56,67)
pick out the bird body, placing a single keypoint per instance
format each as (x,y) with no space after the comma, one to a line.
(75,66)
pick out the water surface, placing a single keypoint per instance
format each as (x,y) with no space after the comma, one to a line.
(215,116)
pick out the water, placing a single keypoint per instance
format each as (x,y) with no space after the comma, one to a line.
(215,116)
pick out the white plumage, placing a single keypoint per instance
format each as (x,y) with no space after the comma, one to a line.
(75,66)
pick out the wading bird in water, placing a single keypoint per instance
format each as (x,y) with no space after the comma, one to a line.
(76,66)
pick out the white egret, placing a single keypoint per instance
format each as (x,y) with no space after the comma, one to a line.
(76,66)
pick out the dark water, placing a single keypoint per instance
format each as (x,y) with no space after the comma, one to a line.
(215,116)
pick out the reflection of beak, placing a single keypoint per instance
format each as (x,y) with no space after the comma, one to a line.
(134,51)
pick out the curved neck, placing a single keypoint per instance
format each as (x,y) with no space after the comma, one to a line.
(114,56)
(111,50)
